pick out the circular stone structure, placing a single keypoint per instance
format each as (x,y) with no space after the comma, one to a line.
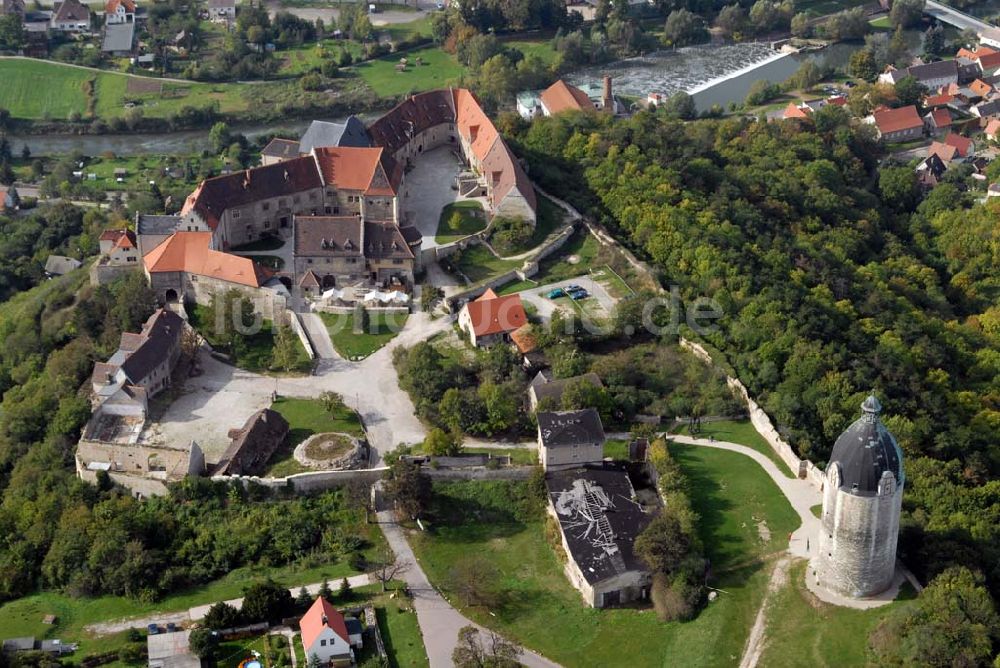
(331,451)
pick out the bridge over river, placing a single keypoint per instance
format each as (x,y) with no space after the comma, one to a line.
(988,34)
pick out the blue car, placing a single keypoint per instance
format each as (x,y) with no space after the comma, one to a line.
(576,295)
(556,294)
(153,629)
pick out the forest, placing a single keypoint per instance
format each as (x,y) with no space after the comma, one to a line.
(836,276)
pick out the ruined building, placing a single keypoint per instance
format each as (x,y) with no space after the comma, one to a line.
(862,497)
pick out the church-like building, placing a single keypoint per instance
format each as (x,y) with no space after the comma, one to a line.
(862,499)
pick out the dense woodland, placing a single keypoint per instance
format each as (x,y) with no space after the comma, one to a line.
(836,277)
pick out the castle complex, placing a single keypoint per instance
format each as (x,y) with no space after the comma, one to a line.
(862,498)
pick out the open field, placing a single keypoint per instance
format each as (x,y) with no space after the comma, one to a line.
(518,456)
(382,328)
(307,417)
(438,70)
(545,613)
(741,432)
(479,264)
(802,631)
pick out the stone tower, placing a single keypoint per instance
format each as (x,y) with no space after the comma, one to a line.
(862,497)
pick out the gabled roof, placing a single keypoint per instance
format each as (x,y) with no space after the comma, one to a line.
(894,120)
(554,388)
(989,61)
(936,70)
(71,10)
(159,333)
(991,108)
(214,196)
(569,428)
(980,88)
(411,117)
(943,152)
(939,118)
(370,170)
(524,338)
(146,223)
(940,100)
(490,314)
(281,148)
(330,236)
(983,50)
(383,241)
(561,96)
(993,127)
(118,37)
(320,616)
(309,280)
(962,144)
(119,238)
(190,252)
(57,265)
(253,444)
(504,174)
(321,134)
(793,111)
(111,6)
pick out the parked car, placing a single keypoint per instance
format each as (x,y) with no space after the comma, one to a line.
(556,294)
(573,288)
(171,627)
(576,295)
(153,629)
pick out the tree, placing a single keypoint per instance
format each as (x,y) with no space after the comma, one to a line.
(472,653)
(345,592)
(12,34)
(440,443)
(862,65)
(332,403)
(684,27)
(906,13)
(909,91)
(324,590)
(800,25)
(899,188)
(680,105)
(266,602)
(285,355)
(953,622)
(497,79)
(386,567)
(222,616)
(409,489)
(732,20)
(933,41)
(475,579)
(220,136)
(303,599)
(666,543)
(203,643)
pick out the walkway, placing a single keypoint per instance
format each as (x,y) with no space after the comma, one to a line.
(439,621)
(319,336)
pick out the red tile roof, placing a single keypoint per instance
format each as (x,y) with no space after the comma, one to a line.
(943,151)
(963,144)
(993,128)
(524,338)
(973,54)
(894,120)
(370,170)
(561,96)
(312,623)
(793,111)
(989,61)
(941,118)
(938,100)
(111,6)
(189,252)
(71,10)
(120,238)
(980,88)
(837,100)
(490,314)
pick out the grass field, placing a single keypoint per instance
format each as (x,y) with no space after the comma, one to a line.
(546,614)
(741,432)
(258,354)
(307,417)
(23,617)
(518,456)
(803,632)
(583,247)
(382,328)
(479,264)
(438,70)
(35,89)
(470,219)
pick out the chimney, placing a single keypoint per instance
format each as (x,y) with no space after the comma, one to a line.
(607,99)
(246,180)
(326,622)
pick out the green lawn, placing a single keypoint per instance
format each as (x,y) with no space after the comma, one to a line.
(23,617)
(518,456)
(817,510)
(258,352)
(403,642)
(439,69)
(545,613)
(612,282)
(616,449)
(307,417)
(470,219)
(805,632)
(382,328)
(741,432)
(479,264)
(582,246)
(517,286)
(34,89)
(550,218)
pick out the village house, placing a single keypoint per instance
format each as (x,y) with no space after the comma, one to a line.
(897,125)
(527,345)
(324,134)
(992,130)
(930,171)
(71,16)
(279,150)
(548,391)
(119,11)
(119,246)
(569,439)
(988,62)
(144,360)
(989,109)
(561,96)
(119,41)
(980,88)
(453,117)
(599,520)
(930,75)
(360,181)
(340,251)
(937,121)
(60,265)
(325,636)
(252,445)
(490,319)
(222,11)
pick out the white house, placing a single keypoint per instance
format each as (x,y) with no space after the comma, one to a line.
(119,11)
(568,439)
(222,11)
(324,635)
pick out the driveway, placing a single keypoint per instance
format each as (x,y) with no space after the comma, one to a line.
(439,621)
(546,307)
(427,190)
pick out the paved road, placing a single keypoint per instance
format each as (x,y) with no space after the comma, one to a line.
(197,612)
(439,621)
(546,307)
(319,337)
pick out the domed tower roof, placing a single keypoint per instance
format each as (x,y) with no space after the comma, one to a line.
(865,451)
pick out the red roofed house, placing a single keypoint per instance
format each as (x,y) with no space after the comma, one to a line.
(360,181)
(937,120)
(796,112)
(941,100)
(119,11)
(980,88)
(965,146)
(490,319)
(993,129)
(901,124)
(186,268)
(561,96)
(324,635)
(988,63)
(972,55)
(119,247)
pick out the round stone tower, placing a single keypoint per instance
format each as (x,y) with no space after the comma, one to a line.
(862,498)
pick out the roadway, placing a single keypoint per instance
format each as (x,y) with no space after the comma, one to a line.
(988,34)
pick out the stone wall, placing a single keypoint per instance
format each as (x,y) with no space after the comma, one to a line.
(296,324)
(102,274)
